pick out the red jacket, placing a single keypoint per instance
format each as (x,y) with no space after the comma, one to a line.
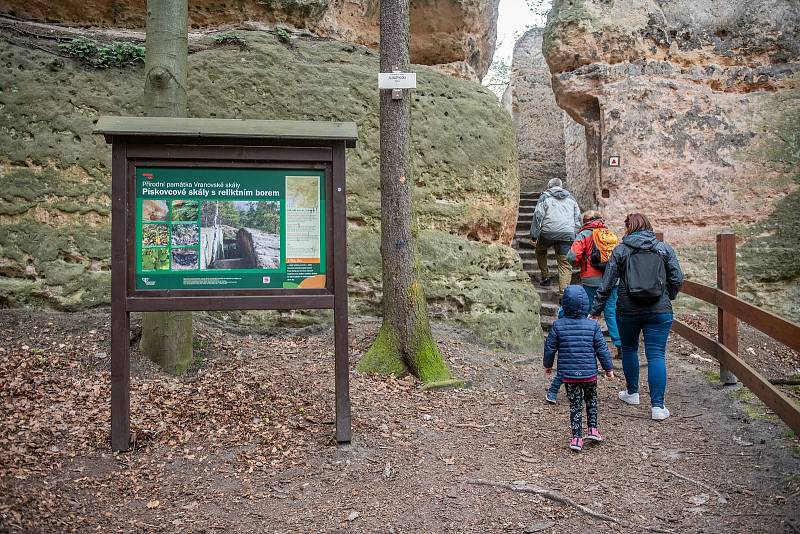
(581,250)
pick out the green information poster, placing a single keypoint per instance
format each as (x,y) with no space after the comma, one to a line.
(229,228)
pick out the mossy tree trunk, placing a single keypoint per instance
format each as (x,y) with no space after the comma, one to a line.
(404,342)
(167,336)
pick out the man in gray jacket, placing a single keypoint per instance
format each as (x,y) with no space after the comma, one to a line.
(555,221)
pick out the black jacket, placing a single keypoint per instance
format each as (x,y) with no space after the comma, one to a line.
(615,270)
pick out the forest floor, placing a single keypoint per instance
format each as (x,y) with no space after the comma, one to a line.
(244,442)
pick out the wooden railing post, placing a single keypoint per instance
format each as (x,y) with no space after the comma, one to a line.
(727,327)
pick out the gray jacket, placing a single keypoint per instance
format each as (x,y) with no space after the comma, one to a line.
(557,216)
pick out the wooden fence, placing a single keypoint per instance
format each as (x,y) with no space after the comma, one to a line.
(725,348)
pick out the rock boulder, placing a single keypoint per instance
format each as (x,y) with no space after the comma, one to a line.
(458,35)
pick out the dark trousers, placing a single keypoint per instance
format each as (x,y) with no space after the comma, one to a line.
(578,394)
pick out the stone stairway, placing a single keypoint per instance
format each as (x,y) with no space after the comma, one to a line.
(522,243)
(548,296)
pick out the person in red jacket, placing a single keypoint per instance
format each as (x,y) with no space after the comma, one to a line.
(580,256)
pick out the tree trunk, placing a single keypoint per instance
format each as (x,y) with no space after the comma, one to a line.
(167,336)
(404,342)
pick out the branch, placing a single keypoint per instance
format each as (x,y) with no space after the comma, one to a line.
(720,498)
(523,487)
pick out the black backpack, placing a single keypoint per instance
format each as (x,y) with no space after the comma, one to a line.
(645,275)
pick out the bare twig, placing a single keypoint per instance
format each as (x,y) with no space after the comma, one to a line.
(785,381)
(524,487)
(472,425)
(720,498)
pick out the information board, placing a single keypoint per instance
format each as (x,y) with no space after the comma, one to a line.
(229,228)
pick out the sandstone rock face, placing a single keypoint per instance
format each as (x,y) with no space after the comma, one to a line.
(680,91)
(576,164)
(458,35)
(537,117)
(699,100)
(55,198)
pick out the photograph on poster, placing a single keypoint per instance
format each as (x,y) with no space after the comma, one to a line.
(185,210)
(154,210)
(240,235)
(155,235)
(155,259)
(185,235)
(184,258)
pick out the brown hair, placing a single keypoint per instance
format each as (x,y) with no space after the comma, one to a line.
(591,215)
(636,222)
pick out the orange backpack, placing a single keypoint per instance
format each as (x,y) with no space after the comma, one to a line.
(603,243)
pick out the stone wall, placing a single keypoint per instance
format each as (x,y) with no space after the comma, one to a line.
(537,117)
(577,165)
(456,35)
(700,102)
(55,199)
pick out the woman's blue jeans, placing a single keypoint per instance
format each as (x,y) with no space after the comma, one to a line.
(655,329)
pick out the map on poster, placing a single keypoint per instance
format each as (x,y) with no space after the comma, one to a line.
(222,228)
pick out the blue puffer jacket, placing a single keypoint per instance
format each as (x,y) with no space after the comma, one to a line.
(578,340)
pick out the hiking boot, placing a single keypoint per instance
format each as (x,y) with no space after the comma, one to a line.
(594,435)
(659,413)
(550,398)
(630,398)
(576,444)
(546,281)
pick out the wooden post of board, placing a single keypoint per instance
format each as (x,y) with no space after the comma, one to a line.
(727,327)
(340,320)
(120,318)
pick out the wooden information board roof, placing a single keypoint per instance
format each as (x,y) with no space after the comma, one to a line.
(226,128)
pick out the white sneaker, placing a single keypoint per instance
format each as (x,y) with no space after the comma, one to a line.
(630,398)
(659,414)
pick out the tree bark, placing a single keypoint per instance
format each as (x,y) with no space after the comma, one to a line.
(404,342)
(167,336)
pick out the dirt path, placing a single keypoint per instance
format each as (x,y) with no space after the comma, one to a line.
(244,444)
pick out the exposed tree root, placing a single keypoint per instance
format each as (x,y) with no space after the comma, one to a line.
(524,487)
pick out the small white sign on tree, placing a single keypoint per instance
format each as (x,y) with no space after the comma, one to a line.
(397,80)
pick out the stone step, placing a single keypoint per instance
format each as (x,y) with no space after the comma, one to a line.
(527,202)
(531,266)
(547,294)
(548,309)
(529,194)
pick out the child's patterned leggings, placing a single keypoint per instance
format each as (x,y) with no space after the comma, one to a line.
(578,392)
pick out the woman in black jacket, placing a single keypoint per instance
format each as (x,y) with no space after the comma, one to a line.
(650,278)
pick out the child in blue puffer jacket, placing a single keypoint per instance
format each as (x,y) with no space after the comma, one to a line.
(579,344)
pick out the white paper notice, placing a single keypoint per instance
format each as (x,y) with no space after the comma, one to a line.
(302,219)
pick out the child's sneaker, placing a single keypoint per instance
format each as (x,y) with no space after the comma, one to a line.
(594,435)
(630,398)
(550,398)
(659,413)
(576,444)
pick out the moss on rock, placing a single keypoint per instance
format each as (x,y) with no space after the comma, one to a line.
(55,203)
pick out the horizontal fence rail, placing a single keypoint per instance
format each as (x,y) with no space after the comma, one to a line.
(776,327)
(731,308)
(760,386)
